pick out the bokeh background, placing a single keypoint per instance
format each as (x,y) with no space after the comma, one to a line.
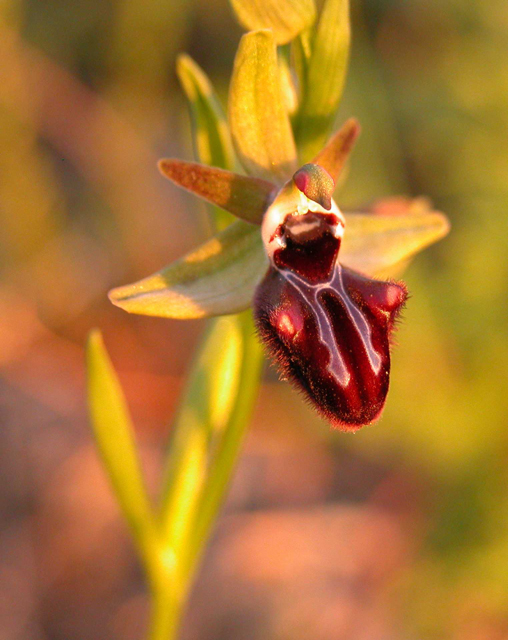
(399,532)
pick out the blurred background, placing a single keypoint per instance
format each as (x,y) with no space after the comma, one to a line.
(399,532)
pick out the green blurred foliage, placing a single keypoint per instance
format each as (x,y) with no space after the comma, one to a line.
(428,80)
(430,86)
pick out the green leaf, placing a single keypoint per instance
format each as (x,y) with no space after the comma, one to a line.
(286,18)
(210,132)
(336,152)
(206,407)
(258,119)
(243,196)
(378,245)
(114,435)
(217,278)
(325,79)
(228,445)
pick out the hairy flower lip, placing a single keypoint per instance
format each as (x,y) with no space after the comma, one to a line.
(328,327)
(332,339)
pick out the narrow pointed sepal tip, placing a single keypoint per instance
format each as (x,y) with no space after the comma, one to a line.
(337,150)
(316,184)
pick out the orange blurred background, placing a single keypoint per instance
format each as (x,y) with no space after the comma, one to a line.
(397,532)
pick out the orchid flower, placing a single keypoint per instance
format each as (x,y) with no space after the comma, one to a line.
(313,274)
(309,271)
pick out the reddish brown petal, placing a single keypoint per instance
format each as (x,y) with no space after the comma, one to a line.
(243,196)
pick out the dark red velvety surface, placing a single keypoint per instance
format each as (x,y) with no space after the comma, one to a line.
(327,326)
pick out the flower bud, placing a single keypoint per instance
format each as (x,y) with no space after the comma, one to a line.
(327,326)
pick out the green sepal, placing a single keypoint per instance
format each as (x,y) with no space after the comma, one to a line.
(210,132)
(325,78)
(218,278)
(286,18)
(288,85)
(300,54)
(258,118)
(210,129)
(243,196)
(380,245)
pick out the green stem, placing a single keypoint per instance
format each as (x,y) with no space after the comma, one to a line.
(167,594)
(227,456)
(171,580)
(166,613)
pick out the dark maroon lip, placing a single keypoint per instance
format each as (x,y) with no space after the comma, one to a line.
(326,326)
(311,253)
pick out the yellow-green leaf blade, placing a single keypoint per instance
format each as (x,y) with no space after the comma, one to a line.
(378,245)
(205,409)
(326,75)
(229,438)
(217,278)
(114,435)
(258,119)
(286,18)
